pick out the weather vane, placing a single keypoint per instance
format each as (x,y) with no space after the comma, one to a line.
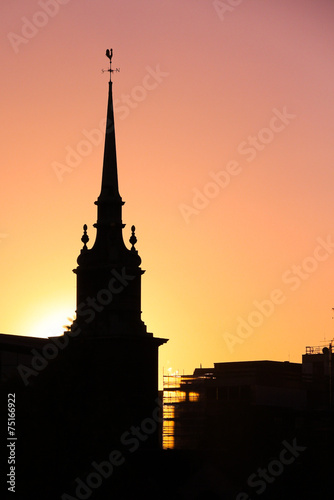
(109,55)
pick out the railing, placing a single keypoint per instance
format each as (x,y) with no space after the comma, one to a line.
(314,349)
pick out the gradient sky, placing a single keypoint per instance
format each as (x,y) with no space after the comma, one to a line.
(213,253)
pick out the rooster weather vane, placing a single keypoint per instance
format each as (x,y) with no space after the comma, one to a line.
(109,54)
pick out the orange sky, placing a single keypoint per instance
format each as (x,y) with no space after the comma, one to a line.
(224,123)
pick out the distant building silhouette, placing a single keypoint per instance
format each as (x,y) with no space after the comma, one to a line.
(206,410)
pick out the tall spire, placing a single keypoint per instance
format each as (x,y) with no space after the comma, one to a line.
(106,306)
(109,201)
(109,188)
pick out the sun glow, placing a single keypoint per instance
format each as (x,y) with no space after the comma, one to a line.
(51,324)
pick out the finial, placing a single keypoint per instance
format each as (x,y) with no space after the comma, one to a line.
(85,237)
(133,239)
(109,54)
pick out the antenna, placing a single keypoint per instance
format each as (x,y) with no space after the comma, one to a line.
(109,54)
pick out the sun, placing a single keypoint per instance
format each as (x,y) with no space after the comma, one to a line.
(52,323)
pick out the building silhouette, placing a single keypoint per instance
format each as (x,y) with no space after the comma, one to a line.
(203,405)
(205,410)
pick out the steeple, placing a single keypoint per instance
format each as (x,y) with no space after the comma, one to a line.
(109,189)
(109,202)
(109,274)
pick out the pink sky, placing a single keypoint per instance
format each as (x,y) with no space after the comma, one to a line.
(245,95)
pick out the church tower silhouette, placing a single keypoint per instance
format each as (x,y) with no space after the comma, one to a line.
(122,353)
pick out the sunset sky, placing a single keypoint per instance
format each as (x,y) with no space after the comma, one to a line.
(224,125)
